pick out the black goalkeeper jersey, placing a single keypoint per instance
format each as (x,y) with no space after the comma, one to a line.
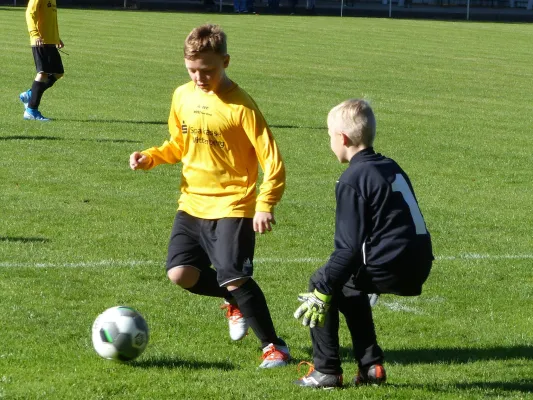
(377,219)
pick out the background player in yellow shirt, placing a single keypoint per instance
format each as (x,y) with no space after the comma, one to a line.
(220,137)
(41,18)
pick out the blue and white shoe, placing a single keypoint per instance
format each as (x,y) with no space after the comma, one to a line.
(31,114)
(25,97)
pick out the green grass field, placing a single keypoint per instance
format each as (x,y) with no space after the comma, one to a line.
(80,232)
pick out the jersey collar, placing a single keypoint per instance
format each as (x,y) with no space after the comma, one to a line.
(362,154)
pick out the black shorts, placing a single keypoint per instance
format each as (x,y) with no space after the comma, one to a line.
(47,59)
(227,243)
(403,277)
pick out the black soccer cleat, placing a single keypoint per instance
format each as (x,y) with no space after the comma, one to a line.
(318,380)
(373,375)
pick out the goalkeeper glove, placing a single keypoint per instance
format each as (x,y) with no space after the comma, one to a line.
(314,308)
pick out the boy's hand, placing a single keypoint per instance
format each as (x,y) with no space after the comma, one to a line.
(314,308)
(39,41)
(61,44)
(137,159)
(263,221)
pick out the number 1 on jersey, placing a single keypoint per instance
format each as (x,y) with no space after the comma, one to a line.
(400,185)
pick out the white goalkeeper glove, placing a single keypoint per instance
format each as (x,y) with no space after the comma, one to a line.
(314,308)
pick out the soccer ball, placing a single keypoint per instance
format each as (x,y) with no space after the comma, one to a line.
(120,333)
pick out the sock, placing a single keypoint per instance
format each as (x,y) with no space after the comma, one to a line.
(253,306)
(207,285)
(37,90)
(51,80)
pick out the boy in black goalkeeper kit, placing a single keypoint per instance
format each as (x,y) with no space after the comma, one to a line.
(219,135)
(381,246)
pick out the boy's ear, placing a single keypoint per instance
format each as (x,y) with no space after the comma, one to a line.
(226,60)
(345,139)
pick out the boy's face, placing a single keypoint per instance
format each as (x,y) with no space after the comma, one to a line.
(207,70)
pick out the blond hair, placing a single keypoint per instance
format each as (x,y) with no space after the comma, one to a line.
(355,118)
(204,38)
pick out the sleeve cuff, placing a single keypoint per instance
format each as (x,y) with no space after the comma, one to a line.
(150,163)
(264,207)
(324,297)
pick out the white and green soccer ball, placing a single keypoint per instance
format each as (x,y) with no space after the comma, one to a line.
(120,334)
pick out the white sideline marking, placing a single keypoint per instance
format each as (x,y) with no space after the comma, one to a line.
(397,306)
(466,256)
(88,264)
(259,260)
(474,256)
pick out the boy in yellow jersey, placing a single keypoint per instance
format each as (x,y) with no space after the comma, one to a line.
(220,137)
(41,18)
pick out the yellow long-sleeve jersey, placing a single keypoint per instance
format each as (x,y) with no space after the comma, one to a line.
(41,18)
(220,140)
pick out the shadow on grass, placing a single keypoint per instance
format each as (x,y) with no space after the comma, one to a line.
(446,355)
(22,137)
(524,386)
(174,362)
(298,127)
(459,355)
(493,389)
(116,121)
(456,356)
(111,140)
(103,140)
(23,239)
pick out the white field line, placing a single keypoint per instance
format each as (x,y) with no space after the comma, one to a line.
(259,260)
(474,256)
(397,306)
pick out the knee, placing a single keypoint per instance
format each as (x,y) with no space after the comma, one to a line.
(41,77)
(183,276)
(237,284)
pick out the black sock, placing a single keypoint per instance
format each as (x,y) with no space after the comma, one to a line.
(51,80)
(37,90)
(207,285)
(253,306)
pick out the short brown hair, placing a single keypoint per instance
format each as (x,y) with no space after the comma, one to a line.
(204,38)
(356,119)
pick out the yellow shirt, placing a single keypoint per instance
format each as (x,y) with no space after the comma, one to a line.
(41,18)
(220,139)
